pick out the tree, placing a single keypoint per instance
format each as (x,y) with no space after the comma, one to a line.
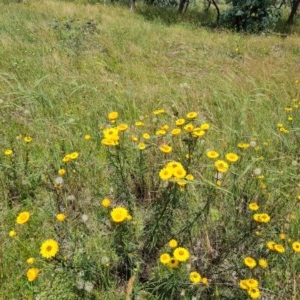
(294,7)
(252,15)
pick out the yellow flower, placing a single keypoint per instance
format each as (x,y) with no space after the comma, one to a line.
(27,139)
(165,258)
(139,124)
(67,158)
(146,136)
(192,115)
(254,293)
(232,157)
(205,126)
(212,154)
(105,202)
(296,246)
(181,254)
(179,172)
(250,262)
(243,284)
(165,148)
(195,277)
(261,218)
(204,280)
(243,145)
(173,263)
(282,236)
(253,206)
(30,260)
(23,217)
(165,173)
(197,132)
(12,233)
(74,155)
(119,214)
(221,166)
(189,127)
(61,217)
(141,146)
(32,274)
(61,172)
(8,152)
(49,248)
(112,116)
(252,283)
(87,137)
(165,127)
(179,122)
(279,248)
(122,127)
(174,164)
(271,245)
(263,263)
(173,243)
(189,177)
(160,132)
(158,111)
(176,131)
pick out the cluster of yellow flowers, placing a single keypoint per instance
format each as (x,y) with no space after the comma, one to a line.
(174,171)
(69,157)
(251,287)
(251,262)
(290,109)
(48,249)
(180,255)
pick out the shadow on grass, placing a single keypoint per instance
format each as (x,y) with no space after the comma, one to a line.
(171,16)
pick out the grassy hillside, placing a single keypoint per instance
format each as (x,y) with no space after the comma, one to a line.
(64,67)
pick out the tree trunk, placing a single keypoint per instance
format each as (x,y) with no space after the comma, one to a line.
(295,5)
(183,5)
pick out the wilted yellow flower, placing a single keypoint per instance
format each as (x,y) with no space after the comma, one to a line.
(181,254)
(49,248)
(105,202)
(32,274)
(195,277)
(23,217)
(250,262)
(119,214)
(61,217)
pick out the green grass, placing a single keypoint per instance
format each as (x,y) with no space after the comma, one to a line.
(63,68)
